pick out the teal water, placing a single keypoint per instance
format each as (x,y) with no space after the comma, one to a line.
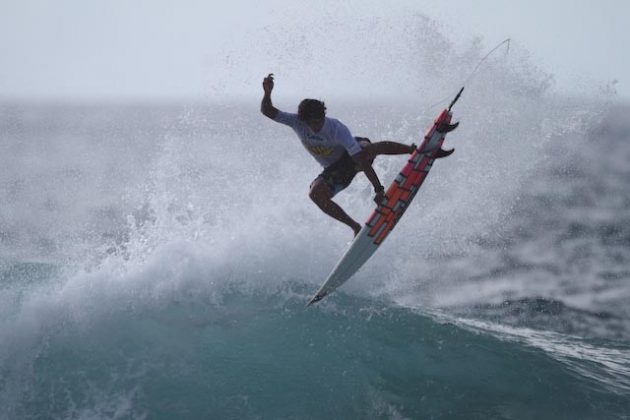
(264,355)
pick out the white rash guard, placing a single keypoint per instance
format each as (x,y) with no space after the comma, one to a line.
(328,144)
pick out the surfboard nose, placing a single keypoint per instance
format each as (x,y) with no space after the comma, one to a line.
(316,299)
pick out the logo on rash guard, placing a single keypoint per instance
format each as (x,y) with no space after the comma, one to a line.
(320,150)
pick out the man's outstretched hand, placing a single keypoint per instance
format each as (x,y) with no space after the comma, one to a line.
(268,83)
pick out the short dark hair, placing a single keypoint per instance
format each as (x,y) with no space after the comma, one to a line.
(311,108)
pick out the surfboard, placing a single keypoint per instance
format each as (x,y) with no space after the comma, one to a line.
(398,197)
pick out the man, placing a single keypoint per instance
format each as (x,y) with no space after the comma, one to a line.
(331,144)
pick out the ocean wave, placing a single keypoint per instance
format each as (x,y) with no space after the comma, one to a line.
(234,350)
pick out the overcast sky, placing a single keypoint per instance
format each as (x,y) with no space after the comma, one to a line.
(158,49)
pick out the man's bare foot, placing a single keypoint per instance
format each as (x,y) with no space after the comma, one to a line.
(357,229)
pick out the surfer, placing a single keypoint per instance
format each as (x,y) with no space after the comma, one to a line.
(330,142)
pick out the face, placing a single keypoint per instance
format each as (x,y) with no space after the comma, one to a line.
(315,123)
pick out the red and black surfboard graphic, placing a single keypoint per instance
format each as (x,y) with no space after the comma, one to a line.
(406,185)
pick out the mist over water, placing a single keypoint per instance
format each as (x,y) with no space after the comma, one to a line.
(155,260)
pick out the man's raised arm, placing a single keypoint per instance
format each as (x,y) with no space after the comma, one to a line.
(266,107)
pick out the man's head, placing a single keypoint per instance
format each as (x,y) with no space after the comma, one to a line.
(312,111)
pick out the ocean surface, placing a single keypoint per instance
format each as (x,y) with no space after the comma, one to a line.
(155,262)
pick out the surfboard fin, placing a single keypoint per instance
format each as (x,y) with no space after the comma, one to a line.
(443,153)
(446,128)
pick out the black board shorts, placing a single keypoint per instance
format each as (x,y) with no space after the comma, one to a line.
(341,173)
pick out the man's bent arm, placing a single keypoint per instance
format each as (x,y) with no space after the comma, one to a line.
(366,166)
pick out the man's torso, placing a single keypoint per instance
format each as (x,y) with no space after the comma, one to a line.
(328,144)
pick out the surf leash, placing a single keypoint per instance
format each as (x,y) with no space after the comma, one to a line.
(456,98)
(485,57)
(473,73)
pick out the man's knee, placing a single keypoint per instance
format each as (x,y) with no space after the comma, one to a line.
(366,145)
(369,153)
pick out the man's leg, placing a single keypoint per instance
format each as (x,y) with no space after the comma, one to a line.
(393,148)
(320,194)
(389,148)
